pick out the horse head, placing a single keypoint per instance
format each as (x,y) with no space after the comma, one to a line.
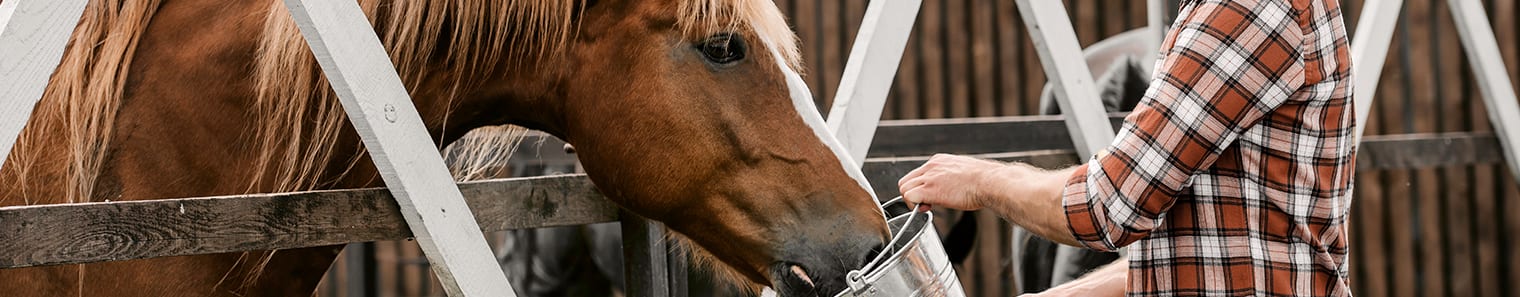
(680,111)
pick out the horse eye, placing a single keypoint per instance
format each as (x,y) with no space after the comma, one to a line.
(722,49)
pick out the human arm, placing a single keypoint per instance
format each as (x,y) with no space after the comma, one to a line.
(1108,280)
(1229,65)
(1025,195)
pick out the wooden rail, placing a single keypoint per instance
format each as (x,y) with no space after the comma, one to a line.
(108,231)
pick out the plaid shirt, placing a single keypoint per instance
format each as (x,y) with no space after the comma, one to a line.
(1234,175)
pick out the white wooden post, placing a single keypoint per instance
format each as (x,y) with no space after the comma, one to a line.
(1061,55)
(380,108)
(1155,12)
(1369,49)
(33,34)
(868,75)
(1488,65)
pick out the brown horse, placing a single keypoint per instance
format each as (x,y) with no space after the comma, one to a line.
(680,110)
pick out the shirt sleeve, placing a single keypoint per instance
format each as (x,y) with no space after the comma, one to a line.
(1230,63)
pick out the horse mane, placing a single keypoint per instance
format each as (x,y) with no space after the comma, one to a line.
(76,113)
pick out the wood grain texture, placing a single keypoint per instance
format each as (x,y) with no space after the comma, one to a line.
(106,231)
(33,34)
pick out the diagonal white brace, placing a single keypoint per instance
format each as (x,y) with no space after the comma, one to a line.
(380,108)
(1488,65)
(868,75)
(33,34)
(1061,56)
(1374,33)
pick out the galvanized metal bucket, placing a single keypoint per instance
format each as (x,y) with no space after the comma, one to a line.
(915,264)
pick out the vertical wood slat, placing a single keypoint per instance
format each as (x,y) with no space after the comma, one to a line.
(932,58)
(833,53)
(983,58)
(372,95)
(957,62)
(1453,191)
(1428,245)
(33,36)
(645,270)
(1009,71)
(1508,230)
(1404,258)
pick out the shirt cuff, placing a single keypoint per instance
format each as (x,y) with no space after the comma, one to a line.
(1080,219)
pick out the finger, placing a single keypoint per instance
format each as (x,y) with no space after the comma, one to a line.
(913,196)
(912,175)
(912,185)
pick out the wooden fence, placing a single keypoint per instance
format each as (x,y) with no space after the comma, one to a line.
(1429,225)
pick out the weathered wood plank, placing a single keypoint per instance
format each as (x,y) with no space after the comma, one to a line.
(1034,133)
(973,135)
(645,252)
(92,232)
(33,34)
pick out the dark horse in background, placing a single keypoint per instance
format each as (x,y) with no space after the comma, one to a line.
(587,260)
(682,111)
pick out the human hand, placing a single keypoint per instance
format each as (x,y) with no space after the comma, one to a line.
(949,181)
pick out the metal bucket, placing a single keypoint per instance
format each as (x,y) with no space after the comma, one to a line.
(914,265)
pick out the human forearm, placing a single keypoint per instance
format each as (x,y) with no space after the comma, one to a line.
(1031,198)
(1108,280)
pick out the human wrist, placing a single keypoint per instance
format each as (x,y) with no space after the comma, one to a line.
(992,187)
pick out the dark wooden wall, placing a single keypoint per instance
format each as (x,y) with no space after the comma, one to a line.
(1427,232)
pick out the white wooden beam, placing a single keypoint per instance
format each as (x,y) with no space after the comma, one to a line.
(1156,22)
(380,108)
(1061,55)
(33,34)
(1488,65)
(1369,50)
(868,75)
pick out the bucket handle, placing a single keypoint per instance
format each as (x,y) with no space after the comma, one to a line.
(856,278)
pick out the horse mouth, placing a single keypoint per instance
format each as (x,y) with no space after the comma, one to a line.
(792,279)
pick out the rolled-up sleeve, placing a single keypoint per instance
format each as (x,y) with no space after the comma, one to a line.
(1229,65)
